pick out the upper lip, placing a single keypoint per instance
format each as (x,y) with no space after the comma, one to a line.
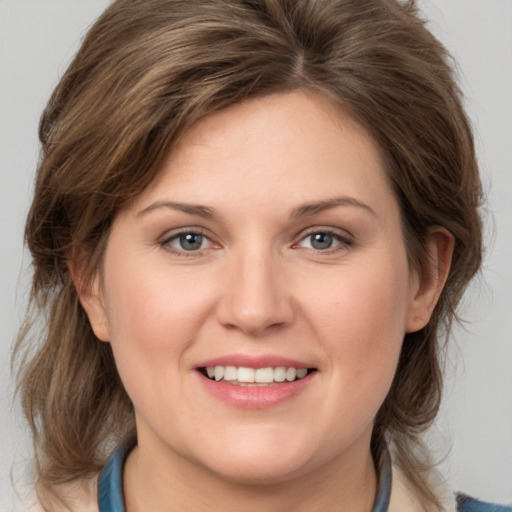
(254,361)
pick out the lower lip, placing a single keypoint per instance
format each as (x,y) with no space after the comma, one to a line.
(256,397)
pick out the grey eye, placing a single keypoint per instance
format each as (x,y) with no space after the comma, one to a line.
(324,241)
(190,241)
(321,241)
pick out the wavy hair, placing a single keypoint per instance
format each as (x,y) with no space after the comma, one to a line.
(146,71)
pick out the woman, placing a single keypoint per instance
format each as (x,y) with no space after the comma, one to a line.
(252,224)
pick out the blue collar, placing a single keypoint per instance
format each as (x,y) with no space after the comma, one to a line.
(110,487)
(110,483)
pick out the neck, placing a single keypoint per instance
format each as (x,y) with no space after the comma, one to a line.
(157,483)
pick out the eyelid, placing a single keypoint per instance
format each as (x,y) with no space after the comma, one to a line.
(344,238)
(338,232)
(169,236)
(173,233)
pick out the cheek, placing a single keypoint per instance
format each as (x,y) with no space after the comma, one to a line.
(361,321)
(152,309)
(153,322)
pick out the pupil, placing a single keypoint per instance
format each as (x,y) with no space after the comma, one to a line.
(191,241)
(321,241)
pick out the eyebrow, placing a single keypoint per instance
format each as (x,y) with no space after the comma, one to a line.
(191,209)
(303,210)
(319,206)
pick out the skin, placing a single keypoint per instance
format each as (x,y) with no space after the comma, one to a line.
(257,285)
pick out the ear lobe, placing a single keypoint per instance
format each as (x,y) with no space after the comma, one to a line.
(91,298)
(429,284)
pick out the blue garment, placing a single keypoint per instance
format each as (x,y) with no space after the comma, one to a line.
(110,483)
(468,504)
(110,488)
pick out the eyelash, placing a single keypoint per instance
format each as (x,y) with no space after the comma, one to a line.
(343,242)
(166,244)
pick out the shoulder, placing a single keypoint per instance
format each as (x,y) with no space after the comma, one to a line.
(73,497)
(403,499)
(27,501)
(467,504)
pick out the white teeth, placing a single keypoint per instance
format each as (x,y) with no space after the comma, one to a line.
(266,375)
(230,373)
(245,374)
(302,372)
(219,372)
(291,373)
(280,374)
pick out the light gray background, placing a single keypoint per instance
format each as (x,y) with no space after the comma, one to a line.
(37,40)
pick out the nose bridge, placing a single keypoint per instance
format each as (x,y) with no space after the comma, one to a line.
(255,297)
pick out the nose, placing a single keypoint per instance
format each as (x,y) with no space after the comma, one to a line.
(256,297)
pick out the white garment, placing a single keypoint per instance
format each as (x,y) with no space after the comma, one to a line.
(83,498)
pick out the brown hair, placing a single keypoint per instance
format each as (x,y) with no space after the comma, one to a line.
(146,71)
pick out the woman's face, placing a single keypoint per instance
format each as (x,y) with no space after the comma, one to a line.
(268,247)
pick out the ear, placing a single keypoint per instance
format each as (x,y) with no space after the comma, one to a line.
(428,284)
(90,295)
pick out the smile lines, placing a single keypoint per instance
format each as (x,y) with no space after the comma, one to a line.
(245,375)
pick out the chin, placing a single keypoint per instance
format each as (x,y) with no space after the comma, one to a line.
(261,460)
(259,472)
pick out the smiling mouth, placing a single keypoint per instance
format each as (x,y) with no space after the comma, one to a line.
(244,376)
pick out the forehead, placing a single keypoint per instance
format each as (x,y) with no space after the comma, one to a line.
(289,148)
